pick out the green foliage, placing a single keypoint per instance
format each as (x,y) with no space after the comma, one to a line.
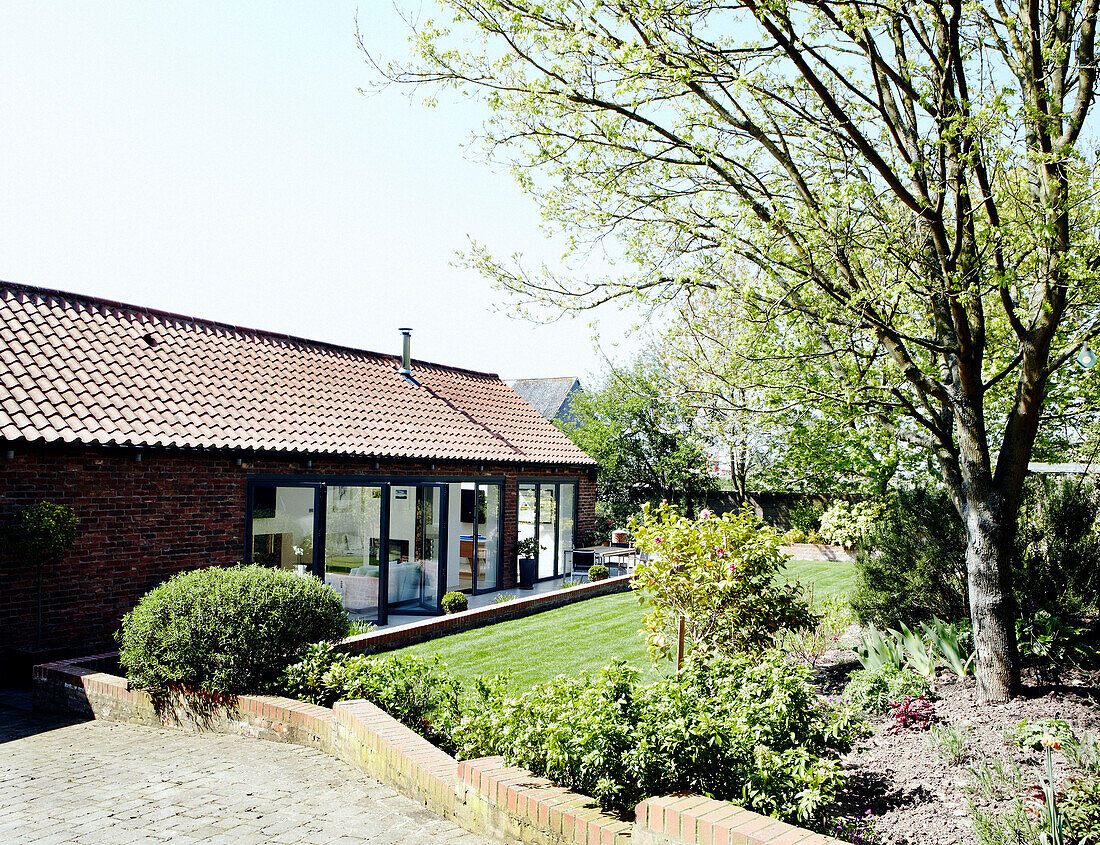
(740,728)
(951,743)
(852,525)
(455,602)
(806,515)
(918,570)
(528,548)
(418,693)
(1057,564)
(226,630)
(873,690)
(1061,641)
(1081,808)
(643,440)
(718,573)
(597,572)
(832,616)
(42,533)
(953,643)
(878,649)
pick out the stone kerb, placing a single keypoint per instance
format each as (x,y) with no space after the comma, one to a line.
(485,796)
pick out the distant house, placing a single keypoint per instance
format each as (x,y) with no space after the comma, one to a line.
(551,397)
(183,443)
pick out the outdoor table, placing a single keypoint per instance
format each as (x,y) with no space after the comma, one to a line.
(609,556)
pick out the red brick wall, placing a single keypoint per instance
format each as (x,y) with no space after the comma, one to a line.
(143,521)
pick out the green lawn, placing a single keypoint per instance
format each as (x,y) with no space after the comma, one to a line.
(835,577)
(565,641)
(583,636)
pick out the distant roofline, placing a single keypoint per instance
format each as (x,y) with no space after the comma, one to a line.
(87,299)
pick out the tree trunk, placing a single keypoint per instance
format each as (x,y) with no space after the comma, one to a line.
(992,611)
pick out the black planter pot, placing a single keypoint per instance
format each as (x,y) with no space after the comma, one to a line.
(527,573)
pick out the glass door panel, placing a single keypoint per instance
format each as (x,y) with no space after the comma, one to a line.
(567,506)
(429,548)
(488,534)
(282,526)
(528,505)
(353,532)
(547,534)
(415,546)
(404,581)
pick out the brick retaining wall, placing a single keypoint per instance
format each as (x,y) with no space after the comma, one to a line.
(485,796)
(816,551)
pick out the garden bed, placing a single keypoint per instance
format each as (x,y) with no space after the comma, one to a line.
(915,791)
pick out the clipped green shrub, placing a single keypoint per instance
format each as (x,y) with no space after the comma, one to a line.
(918,572)
(873,690)
(226,630)
(455,602)
(418,693)
(597,572)
(749,729)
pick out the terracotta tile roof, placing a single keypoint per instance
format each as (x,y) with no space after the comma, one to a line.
(78,369)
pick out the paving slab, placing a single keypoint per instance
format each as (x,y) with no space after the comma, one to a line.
(68,782)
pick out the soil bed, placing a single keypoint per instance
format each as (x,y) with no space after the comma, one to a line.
(913,796)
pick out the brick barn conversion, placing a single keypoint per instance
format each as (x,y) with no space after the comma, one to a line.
(182,443)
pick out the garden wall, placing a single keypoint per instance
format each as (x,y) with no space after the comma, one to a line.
(484,796)
(816,551)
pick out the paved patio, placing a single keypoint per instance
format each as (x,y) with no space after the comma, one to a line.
(64,781)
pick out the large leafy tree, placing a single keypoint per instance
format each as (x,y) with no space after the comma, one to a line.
(908,177)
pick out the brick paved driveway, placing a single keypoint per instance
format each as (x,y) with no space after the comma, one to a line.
(109,783)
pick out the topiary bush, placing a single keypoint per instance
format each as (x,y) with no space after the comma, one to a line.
(455,602)
(418,693)
(225,630)
(597,572)
(740,728)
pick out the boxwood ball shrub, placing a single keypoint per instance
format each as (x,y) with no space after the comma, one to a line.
(598,572)
(455,602)
(227,630)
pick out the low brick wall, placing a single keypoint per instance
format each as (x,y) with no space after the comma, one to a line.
(389,639)
(816,551)
(485,796)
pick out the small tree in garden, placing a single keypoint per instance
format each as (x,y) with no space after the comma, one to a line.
(717,573)
(42,534)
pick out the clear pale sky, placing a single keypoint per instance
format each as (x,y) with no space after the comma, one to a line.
(217,160)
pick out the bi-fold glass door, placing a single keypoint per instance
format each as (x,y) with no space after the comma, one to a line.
(384,548)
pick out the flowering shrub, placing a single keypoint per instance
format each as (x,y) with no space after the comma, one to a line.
(852,525)
(718,574)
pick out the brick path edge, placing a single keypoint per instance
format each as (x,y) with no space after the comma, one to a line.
(485,796)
